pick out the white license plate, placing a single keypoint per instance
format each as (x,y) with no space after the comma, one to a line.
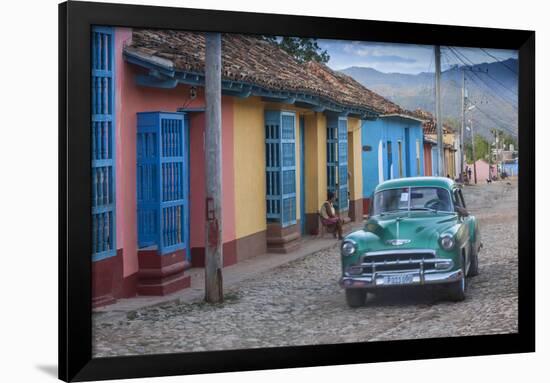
(400,279)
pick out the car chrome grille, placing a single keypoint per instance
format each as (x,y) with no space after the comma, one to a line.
(398,261)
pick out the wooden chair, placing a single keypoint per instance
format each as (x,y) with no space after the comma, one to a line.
(324,228)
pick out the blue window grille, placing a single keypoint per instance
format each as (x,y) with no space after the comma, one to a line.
(332,159)
(389,156)
(162,173)
(337,159)
(280,152)
(103,144)
(343,164)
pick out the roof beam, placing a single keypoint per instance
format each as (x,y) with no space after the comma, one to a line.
(153,82)
(284,100)
(161,76)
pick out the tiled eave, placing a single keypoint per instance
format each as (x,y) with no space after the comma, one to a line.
(162,74)
(403,116)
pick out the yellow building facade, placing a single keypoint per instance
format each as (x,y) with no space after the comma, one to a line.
(254,233)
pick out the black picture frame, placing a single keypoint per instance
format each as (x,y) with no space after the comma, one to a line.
(75,311)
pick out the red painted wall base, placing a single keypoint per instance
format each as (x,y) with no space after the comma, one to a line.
(366,205)
(229,254)
(282,239)
(162,274)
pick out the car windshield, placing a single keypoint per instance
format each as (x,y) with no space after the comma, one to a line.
(412,198)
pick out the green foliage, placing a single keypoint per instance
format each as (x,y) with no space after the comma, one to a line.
(302,49)
(505,138)
(482,149)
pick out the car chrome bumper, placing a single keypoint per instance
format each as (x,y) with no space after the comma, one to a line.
(368,281)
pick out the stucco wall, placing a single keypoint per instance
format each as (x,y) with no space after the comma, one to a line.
(415,135)
(376,134)
(249,164)
(372,134)
(482,170)
(427,159)
(131,99)
(197,181)
(355,163)
(316,161)
(394,132)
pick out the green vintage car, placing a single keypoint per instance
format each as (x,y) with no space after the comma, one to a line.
(418,233)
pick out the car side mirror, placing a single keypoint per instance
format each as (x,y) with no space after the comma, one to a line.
(462,212)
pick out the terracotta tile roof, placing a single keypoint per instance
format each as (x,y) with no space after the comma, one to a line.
(255,61)
(347,85)
(429,123)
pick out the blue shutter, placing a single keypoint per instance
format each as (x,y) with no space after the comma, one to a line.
(162,175)
(332,160)
(337,159)
(103,145)
(280,152)
(273,165)
(343,164)
(147,176)
(288,168)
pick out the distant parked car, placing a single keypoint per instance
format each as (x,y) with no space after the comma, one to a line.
(418,233)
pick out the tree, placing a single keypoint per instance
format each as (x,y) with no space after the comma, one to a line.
(482,149)
(302,49)
(507,139)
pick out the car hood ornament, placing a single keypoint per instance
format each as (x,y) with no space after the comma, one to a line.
(397,241)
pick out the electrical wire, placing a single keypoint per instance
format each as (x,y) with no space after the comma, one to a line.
(499,123)
(489,87)
(499,61)
(486,73)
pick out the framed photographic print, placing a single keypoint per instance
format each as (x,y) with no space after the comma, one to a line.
(325,191)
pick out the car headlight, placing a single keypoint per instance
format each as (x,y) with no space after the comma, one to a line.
(447,242)
(348,248)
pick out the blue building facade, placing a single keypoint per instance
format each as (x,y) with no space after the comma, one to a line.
(510,167)
(392,147)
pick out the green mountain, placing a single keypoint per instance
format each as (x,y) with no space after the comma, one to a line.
(492,87)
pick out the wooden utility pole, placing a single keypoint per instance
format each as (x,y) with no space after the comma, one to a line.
(438,118)
(473,150)
(500,153)
(489,151)
(213,161)
(463,110)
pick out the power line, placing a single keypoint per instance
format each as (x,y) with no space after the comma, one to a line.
(493,94)
(499,61)
(486,73)
(498,123)
(475,73)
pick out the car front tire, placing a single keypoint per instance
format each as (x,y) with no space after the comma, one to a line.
(457,290)
(356,297)
(474,266)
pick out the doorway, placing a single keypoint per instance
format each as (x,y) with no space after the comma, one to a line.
(302,176)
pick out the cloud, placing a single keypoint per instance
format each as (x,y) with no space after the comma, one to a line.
(398,58)
(375,55)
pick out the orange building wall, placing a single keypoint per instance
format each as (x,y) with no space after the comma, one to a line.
(427,159)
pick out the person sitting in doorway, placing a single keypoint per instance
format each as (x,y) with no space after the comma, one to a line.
(329,217)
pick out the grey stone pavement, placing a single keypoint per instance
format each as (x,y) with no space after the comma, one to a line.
(287,300)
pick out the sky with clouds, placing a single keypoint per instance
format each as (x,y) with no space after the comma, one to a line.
(401,58)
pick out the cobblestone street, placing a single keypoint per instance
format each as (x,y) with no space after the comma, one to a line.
(301,303)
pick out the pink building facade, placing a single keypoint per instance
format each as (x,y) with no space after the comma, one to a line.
(483,169)
(133,271)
